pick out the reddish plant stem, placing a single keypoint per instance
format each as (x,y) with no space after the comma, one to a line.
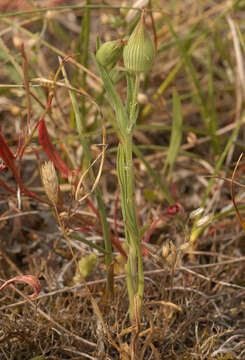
(93,208)
(51,152)
(6,187)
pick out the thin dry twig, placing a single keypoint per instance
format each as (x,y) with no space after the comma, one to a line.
(222,283)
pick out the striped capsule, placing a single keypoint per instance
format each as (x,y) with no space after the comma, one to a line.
(138,54)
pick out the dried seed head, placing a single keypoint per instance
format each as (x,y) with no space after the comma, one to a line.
(86,266)
(184,247)
(165,250)
(138,54)
(172,256)
(110,52)
(50,182)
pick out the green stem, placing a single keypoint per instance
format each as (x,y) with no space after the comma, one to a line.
(135,275)
(126,119)
(130,220)
(84,58)
(130,211)
(107,242)
(133,109)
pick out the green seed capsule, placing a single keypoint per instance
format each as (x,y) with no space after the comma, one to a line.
(109,53)
(138,54)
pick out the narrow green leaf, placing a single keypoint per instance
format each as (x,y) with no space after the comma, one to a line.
(176,135)
(213,119)
(84,42)
(120,167)
(144,229)
(114,99)
(89,243)
(186,57)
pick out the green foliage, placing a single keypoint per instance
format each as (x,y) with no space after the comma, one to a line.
(114,98)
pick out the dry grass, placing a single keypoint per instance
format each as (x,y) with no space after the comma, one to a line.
(194,292)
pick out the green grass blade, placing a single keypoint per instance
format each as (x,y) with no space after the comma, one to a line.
(176,136)
(213,121)
(89,243)
(184,53)
(84,58)
(171,76)
(222,159)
